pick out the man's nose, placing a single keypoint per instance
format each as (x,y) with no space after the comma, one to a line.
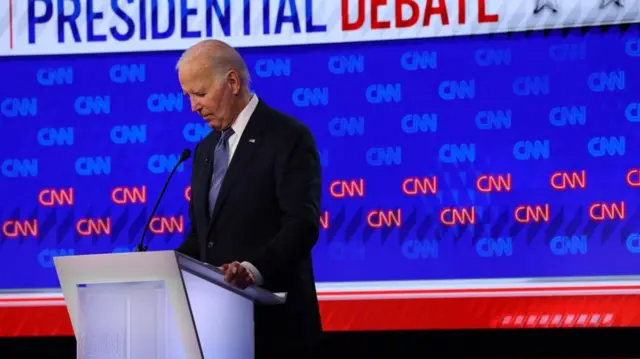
(195,106)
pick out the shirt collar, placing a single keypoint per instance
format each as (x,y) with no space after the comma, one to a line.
(245,115)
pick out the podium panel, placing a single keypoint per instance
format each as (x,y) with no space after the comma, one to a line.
(126,321)
(160,305)
(224,321)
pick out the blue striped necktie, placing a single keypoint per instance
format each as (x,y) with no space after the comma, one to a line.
(220,165)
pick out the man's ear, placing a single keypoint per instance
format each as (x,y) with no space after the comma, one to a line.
(233,80)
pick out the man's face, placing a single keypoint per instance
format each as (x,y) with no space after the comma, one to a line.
(210,97)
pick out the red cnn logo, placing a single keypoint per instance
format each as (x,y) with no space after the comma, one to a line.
(324,220)
(15,229)
(344,188)
(187,193)
(129,195)
(162,225)
(50,197)
(603,211)
(380,218)
(563,180)
(93,227)
(494,183)
(532,214)
(452,216)
(414,186)
(633,177)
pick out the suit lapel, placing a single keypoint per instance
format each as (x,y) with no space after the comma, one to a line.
(247,146)
(204,178)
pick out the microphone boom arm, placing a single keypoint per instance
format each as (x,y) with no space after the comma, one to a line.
(141,247)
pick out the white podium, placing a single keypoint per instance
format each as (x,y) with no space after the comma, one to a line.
(157,305)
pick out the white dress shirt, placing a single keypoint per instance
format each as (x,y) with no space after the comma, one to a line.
(238,127)
(240,124)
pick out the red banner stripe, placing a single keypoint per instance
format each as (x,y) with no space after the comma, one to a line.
(400,314)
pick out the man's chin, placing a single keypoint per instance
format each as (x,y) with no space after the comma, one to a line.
(213,124)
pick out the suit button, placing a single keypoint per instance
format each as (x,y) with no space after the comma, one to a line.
(210,244)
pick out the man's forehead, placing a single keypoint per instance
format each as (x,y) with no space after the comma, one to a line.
(193,79)
(195,66)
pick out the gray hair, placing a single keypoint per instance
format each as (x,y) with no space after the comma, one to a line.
(222,59)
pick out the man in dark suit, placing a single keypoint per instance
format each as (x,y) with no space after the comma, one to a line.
(255,197)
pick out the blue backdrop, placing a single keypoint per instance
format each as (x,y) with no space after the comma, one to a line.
(404,129)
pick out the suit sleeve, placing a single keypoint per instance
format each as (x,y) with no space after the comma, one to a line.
(190,246)
(298,190)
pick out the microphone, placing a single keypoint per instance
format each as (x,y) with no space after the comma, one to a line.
(183,157)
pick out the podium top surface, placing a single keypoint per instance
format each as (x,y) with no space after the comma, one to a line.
(216,275)
(151,266)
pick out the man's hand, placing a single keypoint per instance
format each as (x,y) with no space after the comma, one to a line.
(236,274)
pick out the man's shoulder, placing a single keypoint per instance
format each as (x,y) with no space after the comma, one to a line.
(283,124)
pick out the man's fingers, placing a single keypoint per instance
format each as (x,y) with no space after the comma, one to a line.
(236,274)
(242,277)
(242,282)
(232,271)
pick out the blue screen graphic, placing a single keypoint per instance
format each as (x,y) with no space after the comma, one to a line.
(466,157)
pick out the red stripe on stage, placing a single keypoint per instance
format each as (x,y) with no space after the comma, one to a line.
(482,290)
(34,321)
(482,313)
(36,299)
(404,314)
